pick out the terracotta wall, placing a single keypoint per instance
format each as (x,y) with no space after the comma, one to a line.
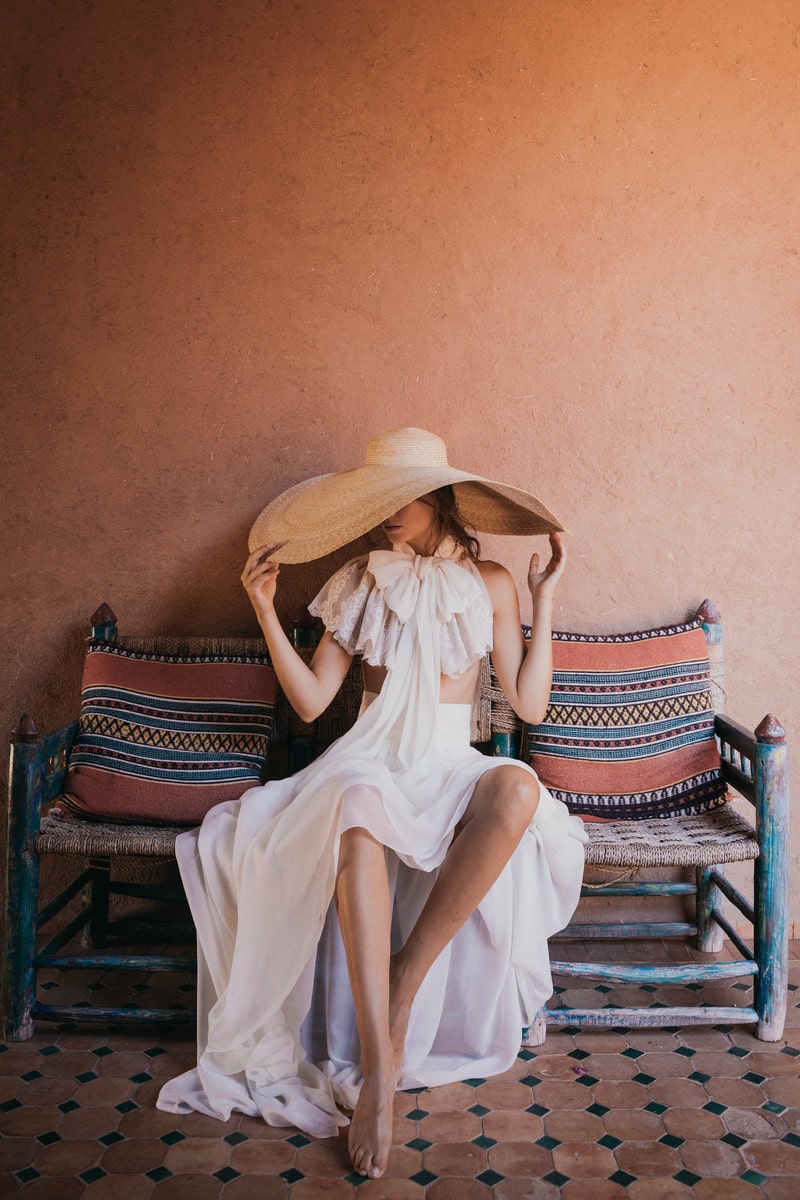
(244,237)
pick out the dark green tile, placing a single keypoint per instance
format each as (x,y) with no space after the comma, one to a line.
(687,1177)
(622,1178)
(93,1175)
(547,1142)
(299,1140)
(292,1175)
(173,1137)
(159,1173)
(226,1174)
(490,1177)
(111,1138)
(609,1141)
(418,1143)
(423,1177)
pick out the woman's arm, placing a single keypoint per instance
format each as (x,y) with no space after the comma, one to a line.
(309,689)
(525,669)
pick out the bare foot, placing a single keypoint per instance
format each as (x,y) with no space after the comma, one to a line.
(371,1125)
(399,1012)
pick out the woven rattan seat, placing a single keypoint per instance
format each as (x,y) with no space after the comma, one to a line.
(97,839)
(719,836)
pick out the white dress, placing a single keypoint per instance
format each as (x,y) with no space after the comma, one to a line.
(276,1029)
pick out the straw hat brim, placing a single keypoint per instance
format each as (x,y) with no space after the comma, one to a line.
(322,514)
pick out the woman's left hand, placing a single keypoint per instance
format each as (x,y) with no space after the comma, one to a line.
(543,584)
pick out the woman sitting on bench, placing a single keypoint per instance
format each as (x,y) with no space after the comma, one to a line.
(449,869)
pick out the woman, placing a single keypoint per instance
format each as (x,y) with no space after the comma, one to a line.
(448,870)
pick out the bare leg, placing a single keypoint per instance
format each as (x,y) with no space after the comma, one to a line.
(498,814)
(362,896)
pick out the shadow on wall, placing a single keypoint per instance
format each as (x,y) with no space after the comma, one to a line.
(178,611)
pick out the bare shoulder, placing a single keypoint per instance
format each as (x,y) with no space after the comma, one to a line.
(499,582)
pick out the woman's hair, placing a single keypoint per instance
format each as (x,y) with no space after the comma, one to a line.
(448,522)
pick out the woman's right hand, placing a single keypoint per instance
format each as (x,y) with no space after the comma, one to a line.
(260,579)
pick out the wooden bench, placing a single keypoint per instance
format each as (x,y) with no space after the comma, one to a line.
(755,765)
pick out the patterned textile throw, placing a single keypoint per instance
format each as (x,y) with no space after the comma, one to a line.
(162,738)
(629,733)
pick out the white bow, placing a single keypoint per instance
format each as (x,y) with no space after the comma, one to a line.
(400,576)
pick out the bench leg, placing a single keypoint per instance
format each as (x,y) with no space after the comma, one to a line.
(20,901)
(710,938)
(96,894)
(771,931)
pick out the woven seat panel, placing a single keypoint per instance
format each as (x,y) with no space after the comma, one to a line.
(719,836)
(71,835)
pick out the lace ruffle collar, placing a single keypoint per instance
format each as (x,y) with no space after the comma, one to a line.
(367,603)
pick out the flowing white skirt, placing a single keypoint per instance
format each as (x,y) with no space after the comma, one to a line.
(276,1027)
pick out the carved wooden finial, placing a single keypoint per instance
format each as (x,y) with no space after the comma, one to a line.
(708,613)
(103,616)
(770,731)
(25,730)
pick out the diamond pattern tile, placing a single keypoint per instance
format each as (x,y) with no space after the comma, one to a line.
(695,1112)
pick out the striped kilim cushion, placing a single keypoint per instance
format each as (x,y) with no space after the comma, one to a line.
(164,737)
(629,732)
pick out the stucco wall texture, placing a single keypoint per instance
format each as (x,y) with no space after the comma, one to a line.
(242,238)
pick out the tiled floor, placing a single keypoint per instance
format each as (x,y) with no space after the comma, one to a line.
(705,1112)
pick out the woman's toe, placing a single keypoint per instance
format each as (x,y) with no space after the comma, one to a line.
(364,1163)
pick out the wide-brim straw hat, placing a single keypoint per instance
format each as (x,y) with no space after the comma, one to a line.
(322,514)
